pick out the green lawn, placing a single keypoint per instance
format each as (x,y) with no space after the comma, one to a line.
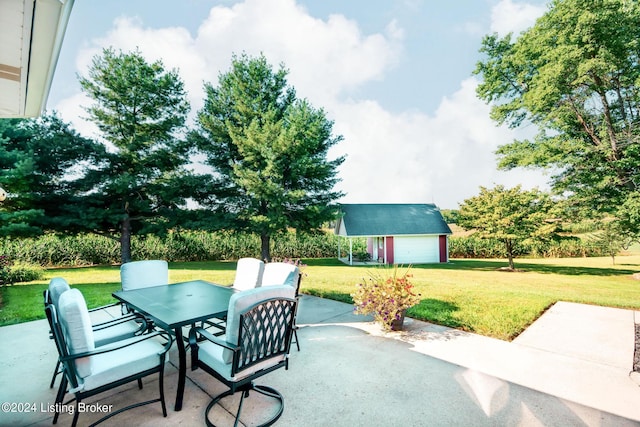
(468,294)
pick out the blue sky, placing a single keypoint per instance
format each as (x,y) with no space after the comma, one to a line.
(395,76)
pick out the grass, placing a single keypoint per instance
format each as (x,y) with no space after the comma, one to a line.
(468,294)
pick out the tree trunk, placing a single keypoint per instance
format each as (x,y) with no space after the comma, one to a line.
(265,252)
(510,254)
(125,240)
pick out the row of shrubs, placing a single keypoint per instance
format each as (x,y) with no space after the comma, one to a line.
(10,272)
(55,250)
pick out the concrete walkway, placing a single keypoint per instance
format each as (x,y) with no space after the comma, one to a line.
(570,368)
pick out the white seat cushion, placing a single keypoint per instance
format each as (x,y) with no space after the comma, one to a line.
(248,273)
(76,326)
(117,364)
(280,273)
(212,355)
(143,274)
(116,332)
(57,286)
(120,331)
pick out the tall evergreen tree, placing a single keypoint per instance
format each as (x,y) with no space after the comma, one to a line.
(41,163)
(141,184)
(268,151)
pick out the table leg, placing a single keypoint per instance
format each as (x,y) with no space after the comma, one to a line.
(182,369)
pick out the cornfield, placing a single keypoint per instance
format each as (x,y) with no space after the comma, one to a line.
(90,249)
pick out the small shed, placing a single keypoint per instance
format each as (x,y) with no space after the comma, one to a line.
(396,233)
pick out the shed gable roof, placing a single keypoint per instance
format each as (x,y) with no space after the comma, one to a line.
(391,220)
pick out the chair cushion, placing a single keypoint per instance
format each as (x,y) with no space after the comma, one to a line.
(57,286)
(241,301)
(248,273)
(143,274)
(114,333)
(280,273)
(213,355)
(76,324)
(117,364)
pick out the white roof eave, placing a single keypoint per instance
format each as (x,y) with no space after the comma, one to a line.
(31,35)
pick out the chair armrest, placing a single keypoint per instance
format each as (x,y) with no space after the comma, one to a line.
(102,307)
(209,337)
(117,345)
(196,333)
(122,319)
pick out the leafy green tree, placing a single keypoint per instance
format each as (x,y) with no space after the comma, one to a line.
(610,239)
(268,152)
(141,185)
(627,221)
(574,75)
(509,215)
(450,215)
(41,163)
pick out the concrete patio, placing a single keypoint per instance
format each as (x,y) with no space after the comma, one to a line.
(570,368)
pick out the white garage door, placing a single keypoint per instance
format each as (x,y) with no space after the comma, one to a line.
(415,250)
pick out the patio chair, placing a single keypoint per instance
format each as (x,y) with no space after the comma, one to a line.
(90,370)
(248,276)
(143,274)
(248,273)
(280,273)
(256,342)
(283,273)
(105,332)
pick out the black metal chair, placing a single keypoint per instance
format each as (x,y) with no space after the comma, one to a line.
(89,370)
(284,273)
(105,332)
(257,341)
(248,276)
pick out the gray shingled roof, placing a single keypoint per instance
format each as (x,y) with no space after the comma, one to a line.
(392,219)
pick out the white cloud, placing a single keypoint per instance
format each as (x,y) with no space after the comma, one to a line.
(507,16)
(174,46)
(325,58)
(392,157)
(414,157)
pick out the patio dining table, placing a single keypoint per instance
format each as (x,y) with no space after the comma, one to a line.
(176,305)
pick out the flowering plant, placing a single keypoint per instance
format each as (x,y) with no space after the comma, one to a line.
(385,297)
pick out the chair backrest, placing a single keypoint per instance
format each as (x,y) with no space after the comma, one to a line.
(248,273)
(143,274)
(56,332)
(51,295)
(57,286)
(260,321)
(77,333)
(280,273)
